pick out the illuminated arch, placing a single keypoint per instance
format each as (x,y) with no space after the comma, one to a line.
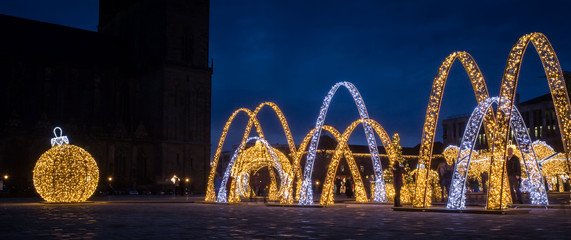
(560,97)
(361,195)
(303,146)
(432,112)
(250,161)
(306,196)
(210,195)
(456,198)
(253,121)
(285,177)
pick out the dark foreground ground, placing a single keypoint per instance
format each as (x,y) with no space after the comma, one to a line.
(176,218)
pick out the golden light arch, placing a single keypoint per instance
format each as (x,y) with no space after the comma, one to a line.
(252,121)
(210,191)
(286,178)
(431,119)
(360,194)
(252,160)
(498,198)
(302,151)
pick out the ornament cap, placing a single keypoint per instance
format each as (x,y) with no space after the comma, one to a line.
(59,140)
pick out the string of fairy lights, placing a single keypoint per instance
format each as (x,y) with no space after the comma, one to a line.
(539,160)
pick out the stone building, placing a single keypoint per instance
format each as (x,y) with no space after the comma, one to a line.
(136,94)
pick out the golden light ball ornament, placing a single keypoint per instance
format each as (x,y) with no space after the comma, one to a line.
(65,173)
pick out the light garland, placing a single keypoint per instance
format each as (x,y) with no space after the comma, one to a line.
(65,173)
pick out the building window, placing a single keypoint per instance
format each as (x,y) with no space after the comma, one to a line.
(362,168)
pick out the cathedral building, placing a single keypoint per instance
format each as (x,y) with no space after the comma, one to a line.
(136,94)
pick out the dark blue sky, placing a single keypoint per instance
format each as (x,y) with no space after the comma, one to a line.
(292,52)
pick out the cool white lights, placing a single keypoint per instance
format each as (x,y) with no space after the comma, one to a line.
(306,197)
(456,198)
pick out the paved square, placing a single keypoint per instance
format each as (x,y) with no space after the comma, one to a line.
(179,219)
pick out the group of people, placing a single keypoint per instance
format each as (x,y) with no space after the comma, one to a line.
(344,186)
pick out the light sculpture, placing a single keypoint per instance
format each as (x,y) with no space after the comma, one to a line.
(553,164)
(457,193)
(285,177)
(297,155)
(306,195)
(498,131)
(252,121)
(498,200)
(450,153)
(327,193)
(65,173)
(251,161)
(431,119)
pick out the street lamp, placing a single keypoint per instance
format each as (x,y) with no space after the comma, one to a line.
(174,179)
(6,177)
(110,179)
(176,182)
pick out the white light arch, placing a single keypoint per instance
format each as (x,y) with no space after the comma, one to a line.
(456,199)
(306,196)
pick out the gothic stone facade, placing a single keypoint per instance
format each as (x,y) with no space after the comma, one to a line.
(136,94)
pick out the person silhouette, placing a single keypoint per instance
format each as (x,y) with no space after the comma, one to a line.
(398,170)
(513,169)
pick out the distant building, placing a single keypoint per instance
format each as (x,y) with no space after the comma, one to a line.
(538,114)
(136,94)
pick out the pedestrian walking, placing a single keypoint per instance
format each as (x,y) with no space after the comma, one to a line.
(513,169)
(398,170)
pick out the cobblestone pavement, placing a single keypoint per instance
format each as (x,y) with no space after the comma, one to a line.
(181,220)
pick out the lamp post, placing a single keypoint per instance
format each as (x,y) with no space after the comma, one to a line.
(109,180)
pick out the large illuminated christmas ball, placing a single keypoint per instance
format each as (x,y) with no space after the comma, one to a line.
(65,173)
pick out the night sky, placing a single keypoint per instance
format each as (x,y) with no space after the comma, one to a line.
(292,52)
